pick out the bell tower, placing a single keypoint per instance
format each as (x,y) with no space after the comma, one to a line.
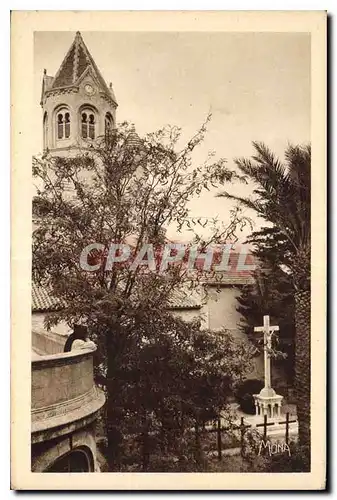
(78,106)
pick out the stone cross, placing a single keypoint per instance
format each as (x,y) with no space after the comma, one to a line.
(267,331)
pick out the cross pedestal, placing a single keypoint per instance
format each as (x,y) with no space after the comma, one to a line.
(267,402)
(269,405)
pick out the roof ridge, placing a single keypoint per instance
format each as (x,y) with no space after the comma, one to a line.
(91,61)
(76,58)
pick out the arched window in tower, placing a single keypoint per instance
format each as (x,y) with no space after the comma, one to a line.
(63,124)
(108,125)
(88,124)
(60,126)
(84,125)
(67,125)
(45,130)
(92,126)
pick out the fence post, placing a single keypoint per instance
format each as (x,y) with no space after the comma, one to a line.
(265,428)
(287,427)
(242,430)
(219,439)
(197,443)
(146,451)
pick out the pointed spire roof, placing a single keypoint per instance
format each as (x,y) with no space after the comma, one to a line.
(78,61)
(133,138)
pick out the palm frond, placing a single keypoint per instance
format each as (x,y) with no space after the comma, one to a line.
(247,202)
(282,192)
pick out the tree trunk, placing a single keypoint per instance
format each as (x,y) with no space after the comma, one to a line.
(114,435)
(302,364)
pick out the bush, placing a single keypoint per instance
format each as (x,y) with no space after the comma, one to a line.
(298,461)
(245,394)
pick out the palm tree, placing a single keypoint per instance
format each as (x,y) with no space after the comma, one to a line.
(282,198)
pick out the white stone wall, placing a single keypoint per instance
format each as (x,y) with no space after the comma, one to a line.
(222,305)
(219,312)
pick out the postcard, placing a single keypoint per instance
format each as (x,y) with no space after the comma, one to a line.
(168,250)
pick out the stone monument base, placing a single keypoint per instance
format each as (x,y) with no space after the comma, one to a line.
(267,402)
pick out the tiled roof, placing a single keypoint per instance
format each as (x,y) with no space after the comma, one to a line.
(43,300)
(186,299)
(65,75)
(233,270)
(193,299)
(223,279)
(76,62)
(133,138)
(183,298)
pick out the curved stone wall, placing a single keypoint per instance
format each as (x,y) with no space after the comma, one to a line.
(64,403)
(63,393)
(44,342)
(60,377)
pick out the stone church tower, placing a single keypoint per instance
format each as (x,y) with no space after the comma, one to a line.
(78,106)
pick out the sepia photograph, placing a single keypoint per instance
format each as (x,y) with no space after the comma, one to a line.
(170,274)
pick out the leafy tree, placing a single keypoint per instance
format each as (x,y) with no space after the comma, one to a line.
(282,197)
(157,371)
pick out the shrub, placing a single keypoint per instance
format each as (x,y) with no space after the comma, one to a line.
(245,394)
(298,461)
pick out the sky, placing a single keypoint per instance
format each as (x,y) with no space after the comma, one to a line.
(256,85)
